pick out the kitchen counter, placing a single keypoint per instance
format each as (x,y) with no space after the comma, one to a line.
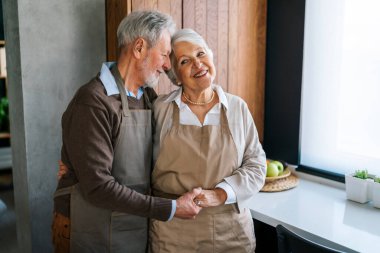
(320,211)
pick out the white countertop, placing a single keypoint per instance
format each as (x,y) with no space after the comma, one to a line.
(321,213)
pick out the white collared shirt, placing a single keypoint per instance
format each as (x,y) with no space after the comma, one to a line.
(187,117)
(110,85)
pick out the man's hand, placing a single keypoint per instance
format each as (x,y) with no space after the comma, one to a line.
(62,169)
(210,198)
(186,208)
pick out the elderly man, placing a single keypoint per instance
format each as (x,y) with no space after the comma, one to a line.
(101,203)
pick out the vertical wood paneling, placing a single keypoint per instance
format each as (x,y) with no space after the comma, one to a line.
(233,59)
(151,4)
(188,14)
(234,29)
(138,5)
(247,55)
(212,32)
(164,6)
(174,9)
(176,12)
(222,51)
(116,10)
(164,85)
(260,28)
(111,8)
(201,17)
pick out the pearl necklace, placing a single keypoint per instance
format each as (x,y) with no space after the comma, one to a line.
(199,103)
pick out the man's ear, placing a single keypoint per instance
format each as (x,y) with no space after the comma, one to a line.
(139,48)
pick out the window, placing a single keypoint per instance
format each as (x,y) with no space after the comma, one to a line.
(330,51)
(340,108)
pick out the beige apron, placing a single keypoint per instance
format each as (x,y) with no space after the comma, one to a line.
(193,156)
(99,230)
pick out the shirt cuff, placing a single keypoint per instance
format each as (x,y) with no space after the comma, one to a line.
(231,196)
(174,208)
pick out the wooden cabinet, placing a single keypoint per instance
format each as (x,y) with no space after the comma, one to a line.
(235,31)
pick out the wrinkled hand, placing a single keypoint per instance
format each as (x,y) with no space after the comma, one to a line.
(186,208)
(62,170)
(209,198)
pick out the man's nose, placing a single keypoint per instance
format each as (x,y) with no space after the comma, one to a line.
(167,65)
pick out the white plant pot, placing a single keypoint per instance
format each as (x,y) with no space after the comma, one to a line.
(375,194)
(369,190)
(357,188)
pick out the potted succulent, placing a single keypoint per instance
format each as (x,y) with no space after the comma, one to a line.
(357,188)
(376,192)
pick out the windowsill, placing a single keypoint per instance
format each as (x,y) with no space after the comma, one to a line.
(318,209)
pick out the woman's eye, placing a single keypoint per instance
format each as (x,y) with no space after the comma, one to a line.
(201,53)
(183,62)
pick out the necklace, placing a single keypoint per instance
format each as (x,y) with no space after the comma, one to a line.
(199,103)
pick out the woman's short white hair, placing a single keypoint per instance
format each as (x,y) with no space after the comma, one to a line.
(148,25)
(187,35)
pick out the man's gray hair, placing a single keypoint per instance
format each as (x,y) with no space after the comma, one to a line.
(148,25)
(187,35)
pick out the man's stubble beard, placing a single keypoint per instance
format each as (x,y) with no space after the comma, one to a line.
(151,81)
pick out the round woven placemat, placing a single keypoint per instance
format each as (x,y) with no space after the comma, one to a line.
(281,184)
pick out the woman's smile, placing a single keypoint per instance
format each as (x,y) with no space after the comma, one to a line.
(200,73)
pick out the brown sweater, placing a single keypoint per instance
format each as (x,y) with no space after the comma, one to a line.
(90,128)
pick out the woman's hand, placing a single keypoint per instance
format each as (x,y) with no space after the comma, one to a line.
(208,198)
(62,169)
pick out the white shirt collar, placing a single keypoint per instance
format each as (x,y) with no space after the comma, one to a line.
(176,96)
(109,81)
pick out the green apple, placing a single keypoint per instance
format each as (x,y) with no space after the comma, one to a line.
(280,166)
(272,170)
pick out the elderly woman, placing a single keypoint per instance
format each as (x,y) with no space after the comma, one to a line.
(204,137)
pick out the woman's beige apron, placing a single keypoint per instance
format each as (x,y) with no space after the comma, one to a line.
(193,156)
(101,230)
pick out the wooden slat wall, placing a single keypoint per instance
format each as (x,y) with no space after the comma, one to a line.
(235,31)
(246,69)
(116,10)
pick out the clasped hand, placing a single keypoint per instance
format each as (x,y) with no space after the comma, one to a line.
(209,198)
(191,203)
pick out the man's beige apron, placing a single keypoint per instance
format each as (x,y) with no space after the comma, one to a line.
(193,156)
(101,230)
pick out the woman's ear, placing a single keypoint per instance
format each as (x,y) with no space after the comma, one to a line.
(139,48)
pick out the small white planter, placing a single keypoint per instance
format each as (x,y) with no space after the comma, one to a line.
(357,188)
(375,194)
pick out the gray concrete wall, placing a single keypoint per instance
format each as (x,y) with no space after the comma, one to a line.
(53,47)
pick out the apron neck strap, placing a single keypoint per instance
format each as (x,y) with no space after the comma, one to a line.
(121,88)
(223,119)
(175,114)
(148,104)
(223,116)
